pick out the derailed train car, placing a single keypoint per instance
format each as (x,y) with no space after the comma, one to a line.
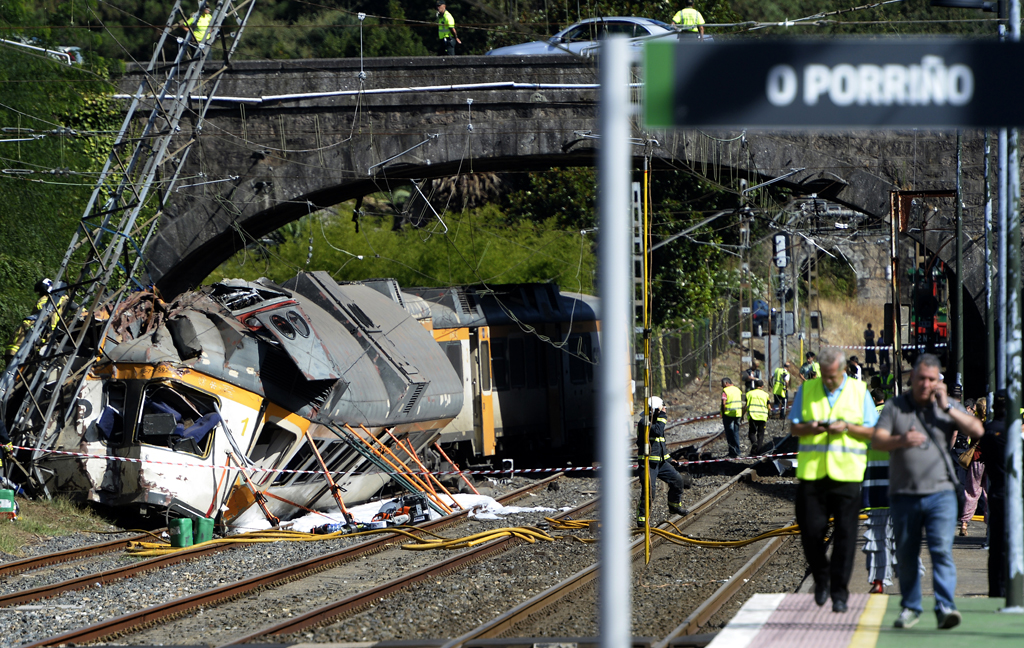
(525,355)
(240,374)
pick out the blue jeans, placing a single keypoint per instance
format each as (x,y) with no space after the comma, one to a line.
(732,434)
(937,514)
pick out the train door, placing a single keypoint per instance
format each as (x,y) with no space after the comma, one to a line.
(483,404)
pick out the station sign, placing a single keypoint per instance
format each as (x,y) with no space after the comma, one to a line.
(835,83)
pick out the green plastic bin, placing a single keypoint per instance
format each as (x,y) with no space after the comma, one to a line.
(202,530)
(7,507)
(180,531)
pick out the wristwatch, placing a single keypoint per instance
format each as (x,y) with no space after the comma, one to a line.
(948,407)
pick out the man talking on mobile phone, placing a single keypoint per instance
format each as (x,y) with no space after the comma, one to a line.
(916,429)
(833,416)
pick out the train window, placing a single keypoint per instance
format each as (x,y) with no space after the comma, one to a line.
(300,324)
(499,363)
(485,366)
(323,446)
(581,368)
(454,352)
(281,324)
(273,440)
(174,416)
(516,363)
(110,424)
(298,460)
(588,351)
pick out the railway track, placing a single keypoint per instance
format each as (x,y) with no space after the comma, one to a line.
(70,555)
(525,619)
(215,595)
(357,602)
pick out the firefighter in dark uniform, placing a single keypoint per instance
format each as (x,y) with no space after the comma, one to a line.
(6,448)
(658,461)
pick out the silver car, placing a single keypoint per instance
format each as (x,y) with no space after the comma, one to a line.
(581,39)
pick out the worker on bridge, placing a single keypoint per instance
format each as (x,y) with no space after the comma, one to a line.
(447,37)
(201,25)
(690,21)
(651,448)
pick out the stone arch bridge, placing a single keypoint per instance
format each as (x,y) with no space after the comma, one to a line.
(289,137)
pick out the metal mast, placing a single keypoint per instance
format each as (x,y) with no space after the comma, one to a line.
(103,261)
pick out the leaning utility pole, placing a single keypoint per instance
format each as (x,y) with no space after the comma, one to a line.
(108,248)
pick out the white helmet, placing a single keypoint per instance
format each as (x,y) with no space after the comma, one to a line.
(655,402)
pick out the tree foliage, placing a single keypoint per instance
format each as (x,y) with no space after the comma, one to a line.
(477,248)
(48,179)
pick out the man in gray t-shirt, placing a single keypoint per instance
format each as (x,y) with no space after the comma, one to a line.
(916,428)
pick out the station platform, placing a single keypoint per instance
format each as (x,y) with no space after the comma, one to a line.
(794,621)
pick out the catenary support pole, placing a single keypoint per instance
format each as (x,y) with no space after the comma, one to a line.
(990,326)
(1001,218)
(614,605)
(1014,504)
(957,355)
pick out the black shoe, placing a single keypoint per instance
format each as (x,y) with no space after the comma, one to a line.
(820,593)
(675,510)
(839,606)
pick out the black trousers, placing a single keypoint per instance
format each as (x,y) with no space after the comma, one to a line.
(755,432)
(664,471)
(446,46)
(816,501)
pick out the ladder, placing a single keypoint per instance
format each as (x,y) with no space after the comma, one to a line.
(106,255)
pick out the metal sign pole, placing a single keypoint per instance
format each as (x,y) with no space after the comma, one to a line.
(1014,463)
(615,605)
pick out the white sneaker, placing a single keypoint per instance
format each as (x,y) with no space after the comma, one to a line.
(907,619)
(947,618)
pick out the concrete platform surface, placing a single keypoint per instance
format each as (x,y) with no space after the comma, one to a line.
(794,621)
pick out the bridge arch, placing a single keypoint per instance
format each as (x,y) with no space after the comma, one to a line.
(295,136)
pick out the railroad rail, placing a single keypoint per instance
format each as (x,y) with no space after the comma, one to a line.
(349,605)
(69,555)
(149,616)
(493,629)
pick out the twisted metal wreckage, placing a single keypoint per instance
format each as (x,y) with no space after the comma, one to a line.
(196,406)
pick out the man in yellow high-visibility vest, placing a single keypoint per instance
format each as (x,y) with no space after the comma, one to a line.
(732,409)
(690,21)
(201,25)
(447,37)
(833,417)
(756,409)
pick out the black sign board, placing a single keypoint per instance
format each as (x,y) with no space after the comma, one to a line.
(835,83)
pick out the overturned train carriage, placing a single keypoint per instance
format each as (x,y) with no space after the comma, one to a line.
(254,374)
(526,356)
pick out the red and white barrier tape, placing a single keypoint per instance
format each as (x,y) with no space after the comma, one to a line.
(888,347)
(515,471)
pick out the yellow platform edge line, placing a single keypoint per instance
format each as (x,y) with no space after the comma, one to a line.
(870,622)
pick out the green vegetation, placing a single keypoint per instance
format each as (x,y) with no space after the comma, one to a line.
(477,248)
(46,519)
(526,229)
(46,180)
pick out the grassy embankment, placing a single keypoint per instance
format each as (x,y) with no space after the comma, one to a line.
(44,519)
